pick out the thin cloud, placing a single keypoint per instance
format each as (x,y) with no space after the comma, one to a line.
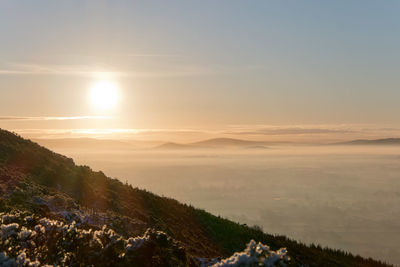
(151,55)
(87,71)
(95,71)
(166,71)
(16,118)
(44,69)
(110,131)
(292,131)
(311,130)
(114,133)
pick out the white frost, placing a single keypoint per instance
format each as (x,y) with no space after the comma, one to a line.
(256,255)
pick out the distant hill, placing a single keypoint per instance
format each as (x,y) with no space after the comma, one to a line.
(61,207)
(227,142)
(173,146)
(386,141)
(216,143)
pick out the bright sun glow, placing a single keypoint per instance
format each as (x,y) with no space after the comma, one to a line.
(104,95)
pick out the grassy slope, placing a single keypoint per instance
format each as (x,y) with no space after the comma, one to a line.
(203,234)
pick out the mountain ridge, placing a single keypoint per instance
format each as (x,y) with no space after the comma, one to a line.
(215,143)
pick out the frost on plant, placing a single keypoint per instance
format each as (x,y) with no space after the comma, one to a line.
(256,255)
(33,241)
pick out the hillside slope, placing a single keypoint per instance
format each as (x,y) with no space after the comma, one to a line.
(35,179)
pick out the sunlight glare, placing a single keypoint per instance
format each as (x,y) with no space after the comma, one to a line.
(104,95)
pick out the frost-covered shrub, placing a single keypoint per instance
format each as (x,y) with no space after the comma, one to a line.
(7,218)
(32,241)
(8,230)
(256,255)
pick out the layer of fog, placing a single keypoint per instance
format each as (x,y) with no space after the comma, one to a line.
(341,197)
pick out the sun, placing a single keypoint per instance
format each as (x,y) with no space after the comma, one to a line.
(104,95)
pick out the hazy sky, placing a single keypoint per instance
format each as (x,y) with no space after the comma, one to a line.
(201,65)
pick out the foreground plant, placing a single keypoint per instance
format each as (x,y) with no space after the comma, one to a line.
(256,255)
(32,241)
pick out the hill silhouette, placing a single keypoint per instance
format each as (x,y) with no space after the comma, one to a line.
(385,141)
(173,146)
(215,143)
(227,142)
(44,184)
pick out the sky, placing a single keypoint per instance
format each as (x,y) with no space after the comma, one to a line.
(251,69)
